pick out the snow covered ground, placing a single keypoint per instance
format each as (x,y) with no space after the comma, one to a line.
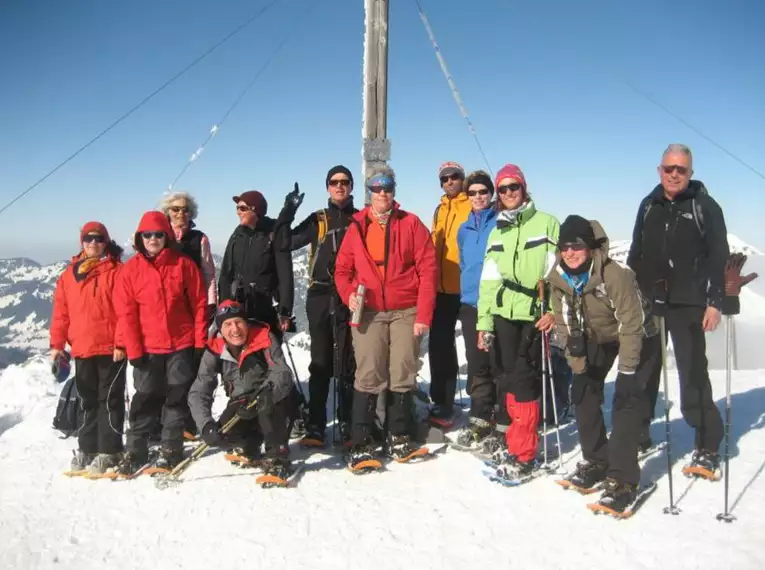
(440,514)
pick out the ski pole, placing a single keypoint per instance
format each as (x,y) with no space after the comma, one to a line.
(729,352)
(335,368)
(165,481)
(672,508)
(550,375)
(541,293)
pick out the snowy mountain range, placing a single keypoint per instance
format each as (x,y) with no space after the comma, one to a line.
(26,297)
(26,304)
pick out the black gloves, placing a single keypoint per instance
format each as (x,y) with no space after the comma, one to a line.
(212,435)
(294,199)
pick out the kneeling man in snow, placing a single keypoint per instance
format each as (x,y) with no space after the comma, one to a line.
(245,355)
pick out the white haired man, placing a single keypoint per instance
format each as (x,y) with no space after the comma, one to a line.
(679,251)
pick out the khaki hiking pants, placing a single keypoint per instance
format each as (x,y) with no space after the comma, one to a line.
(386,351)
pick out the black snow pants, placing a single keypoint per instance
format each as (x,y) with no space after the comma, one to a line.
(328,326)
(162,383)
(101,384)
(630,405)
(684,327)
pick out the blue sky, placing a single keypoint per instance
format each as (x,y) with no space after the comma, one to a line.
(545,84)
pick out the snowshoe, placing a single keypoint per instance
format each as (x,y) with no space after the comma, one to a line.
(361,459)
(472,436)
(80,462)
(441,417)
(621,500)
(277,472)
(704,465)
(240,457)
(512,472)
(585,478)
(403,450)
(314,437)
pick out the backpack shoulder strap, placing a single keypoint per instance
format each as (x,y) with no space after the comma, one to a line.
(321,218)
(435,215)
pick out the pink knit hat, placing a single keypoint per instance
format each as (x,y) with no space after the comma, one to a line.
(511,171)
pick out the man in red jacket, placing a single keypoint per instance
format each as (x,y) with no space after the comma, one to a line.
(84,317)
(390,252)
(161,304)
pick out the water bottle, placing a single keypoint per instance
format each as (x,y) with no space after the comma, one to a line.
(356,315)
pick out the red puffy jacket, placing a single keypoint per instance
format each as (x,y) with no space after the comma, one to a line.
(83,312)
(160,301)
(411,273)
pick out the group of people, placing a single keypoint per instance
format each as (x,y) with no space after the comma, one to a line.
(379,281)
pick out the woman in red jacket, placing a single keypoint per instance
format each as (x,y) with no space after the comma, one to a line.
(84,317)
(161,304)
(390,252)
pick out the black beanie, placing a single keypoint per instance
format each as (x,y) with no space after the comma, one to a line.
(338,170)
(479,177)
(575,229)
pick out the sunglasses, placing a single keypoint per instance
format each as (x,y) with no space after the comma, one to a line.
(378,188)
(243,208)
(98,238)
(178,209)
(445,179)
(669,168)
(514,187)
(481,192)
(149,235)
(341,182)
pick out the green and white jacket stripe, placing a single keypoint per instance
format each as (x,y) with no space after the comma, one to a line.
(520,251)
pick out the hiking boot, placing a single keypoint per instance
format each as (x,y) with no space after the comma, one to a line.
(475,433)
(360,453)
(168,458)
(81,460)
(587,474)
(513,469)
(132,461)
(617,496)
(278,466)
(103,462)
(401,447)
(705,463)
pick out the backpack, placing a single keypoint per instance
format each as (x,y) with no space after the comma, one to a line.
(69,414)
(698,212)
(321,218)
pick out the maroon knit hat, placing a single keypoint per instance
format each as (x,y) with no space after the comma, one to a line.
(254,200)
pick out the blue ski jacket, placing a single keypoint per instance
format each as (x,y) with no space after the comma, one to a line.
(471,241)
